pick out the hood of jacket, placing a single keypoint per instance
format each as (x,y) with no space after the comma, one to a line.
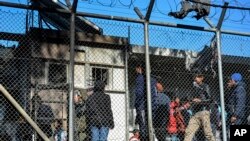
(99,86)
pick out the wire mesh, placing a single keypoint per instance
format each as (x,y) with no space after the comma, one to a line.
(35,61)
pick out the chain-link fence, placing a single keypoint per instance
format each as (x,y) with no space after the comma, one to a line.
(110,99)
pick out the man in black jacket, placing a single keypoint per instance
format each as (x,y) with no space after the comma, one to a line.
(99,113)
(201,100)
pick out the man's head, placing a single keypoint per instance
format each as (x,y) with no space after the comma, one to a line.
(77,96)
(159,87)
(234,79)
(139,68)
(198,78)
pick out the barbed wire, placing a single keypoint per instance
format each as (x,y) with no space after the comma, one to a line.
(189,33)
(231,20)
(214,14)
(112,3)
(127,5)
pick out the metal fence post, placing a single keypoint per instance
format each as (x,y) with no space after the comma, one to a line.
(127,95)
(148,80)
(222,103)
(71,77)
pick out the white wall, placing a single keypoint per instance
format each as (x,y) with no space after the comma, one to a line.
(118,79)
(79,78)
(119,114)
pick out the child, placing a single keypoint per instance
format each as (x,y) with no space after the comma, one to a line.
(136,136)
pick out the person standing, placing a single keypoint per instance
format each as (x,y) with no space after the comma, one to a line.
(141,101)
(201,99)
(162,113)
(237,99)
(81,125)
(99,113)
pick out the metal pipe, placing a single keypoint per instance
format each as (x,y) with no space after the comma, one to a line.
(148,86)
(218,43)
(23,113)
(127,105)
(223,117)
(231,32)
(208,22)
(71,78)
(138,12)
(72,72)
(150,8)
(34,111)
(107,17)
(27,22)
(222,16)
(74,6)
(125,19)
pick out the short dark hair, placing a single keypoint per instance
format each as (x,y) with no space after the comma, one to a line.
(198,75)
(141,65)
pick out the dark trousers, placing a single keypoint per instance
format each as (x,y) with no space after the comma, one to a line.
(141,120)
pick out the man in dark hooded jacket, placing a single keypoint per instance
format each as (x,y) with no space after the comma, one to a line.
(99,113)
(237,99)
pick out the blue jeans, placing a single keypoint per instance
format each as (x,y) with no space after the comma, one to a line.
(99,134)
(172,137)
